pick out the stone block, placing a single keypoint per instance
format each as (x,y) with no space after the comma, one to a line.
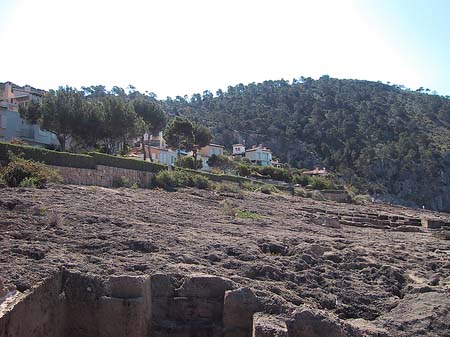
(205,286)
(308,322)
(128,286)
(238,310)
(268,326)
(432,223)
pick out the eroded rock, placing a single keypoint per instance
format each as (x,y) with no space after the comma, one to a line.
(308,322)
(239,307)
(268,326)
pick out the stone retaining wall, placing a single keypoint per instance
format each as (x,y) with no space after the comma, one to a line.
(336,195)
(103,176)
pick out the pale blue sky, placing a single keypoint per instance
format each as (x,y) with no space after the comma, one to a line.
(177,47)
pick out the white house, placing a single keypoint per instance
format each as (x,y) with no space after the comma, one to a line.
(259,155)
(238,150)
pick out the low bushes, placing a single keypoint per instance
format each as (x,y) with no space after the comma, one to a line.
(322,183)
(268,172)
(190,163)
(27,173)
(301,180)
(218,177)
(169,180)
(121,182)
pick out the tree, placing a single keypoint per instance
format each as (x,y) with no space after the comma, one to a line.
(31,112)
(179,134)
(95,91)
(87,132)
(190,163)
(58,112)
(202,137)
(152,115)
(120,122)
(222,162)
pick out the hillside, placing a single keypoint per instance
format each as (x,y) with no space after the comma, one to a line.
(383,139)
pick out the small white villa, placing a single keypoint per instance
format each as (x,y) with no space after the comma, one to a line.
(259,155)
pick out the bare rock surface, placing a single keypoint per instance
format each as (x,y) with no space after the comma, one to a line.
(366,271)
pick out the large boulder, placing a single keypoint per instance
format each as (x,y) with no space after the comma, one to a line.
(418,312)
(308,322)
(204,286)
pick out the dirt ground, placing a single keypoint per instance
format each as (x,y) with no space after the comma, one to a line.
(396,278)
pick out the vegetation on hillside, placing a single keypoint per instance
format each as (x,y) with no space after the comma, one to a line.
(381,138)
(384,139)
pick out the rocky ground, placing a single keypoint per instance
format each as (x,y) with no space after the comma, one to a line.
(373,267)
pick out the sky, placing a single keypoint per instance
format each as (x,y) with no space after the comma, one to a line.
(178,47)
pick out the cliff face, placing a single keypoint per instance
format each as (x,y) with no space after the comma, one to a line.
(385,139)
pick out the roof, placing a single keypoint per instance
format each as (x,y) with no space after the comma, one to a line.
(162,149)
(316,171)
(264,149)
(216,145)
(26,88)
(238,144)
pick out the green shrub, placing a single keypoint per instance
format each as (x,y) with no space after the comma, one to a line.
(227,187)
(165,180)
(274,173)
(190,163)
(221,162)
(201,182)
(243,214)
(170,180)
(268,189)
(121,182)
(250,186)
(29,182)
(322,183)
(261,172)
(301,179)
(244,170)
(217,177)
(362,199)
(28,172)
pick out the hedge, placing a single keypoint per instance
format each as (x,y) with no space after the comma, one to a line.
(91,160)
(86,161)
(221,177)
(48,157)
(131,164)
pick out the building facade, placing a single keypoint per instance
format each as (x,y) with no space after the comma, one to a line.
(260,155)
(238,150)
(163,155)
(206,152)
(12,126)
